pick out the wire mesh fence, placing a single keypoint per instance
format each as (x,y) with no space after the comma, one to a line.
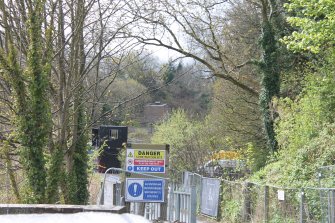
(232,199)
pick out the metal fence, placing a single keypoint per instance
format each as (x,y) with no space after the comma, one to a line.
(243,201)
(178,205)
(252,202)
(238,201)
(182,203)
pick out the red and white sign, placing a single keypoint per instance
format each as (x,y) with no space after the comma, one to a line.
(149,162)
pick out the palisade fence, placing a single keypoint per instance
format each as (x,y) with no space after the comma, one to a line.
(180,205)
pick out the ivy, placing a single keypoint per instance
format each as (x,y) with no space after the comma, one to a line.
(36,123)
(270,84)
(79,174)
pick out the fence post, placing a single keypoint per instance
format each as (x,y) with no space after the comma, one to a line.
(100,200)
(177,207)
(171,202)
(200,193)
(163,207)
(266,204)
(302,202)
(117,194)
(193,204)
(246,211)
(332,206)
(141,208)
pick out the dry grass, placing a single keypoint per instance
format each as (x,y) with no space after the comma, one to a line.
(94,186)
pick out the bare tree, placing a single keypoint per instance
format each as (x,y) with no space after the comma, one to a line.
(76,40)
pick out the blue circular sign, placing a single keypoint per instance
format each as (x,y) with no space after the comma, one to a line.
(135,189)
(130,168)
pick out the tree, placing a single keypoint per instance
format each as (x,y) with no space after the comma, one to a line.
(183,135)
(186,88)
(54,54)
(270,68)
(305,126)
(33,112)
(234,119)
(206,39)
(125,90)
(315,22)
(177,25)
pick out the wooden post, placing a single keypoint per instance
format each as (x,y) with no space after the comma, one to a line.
(266,204)
(246,211)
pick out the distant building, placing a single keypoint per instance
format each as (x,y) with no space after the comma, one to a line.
(155,112)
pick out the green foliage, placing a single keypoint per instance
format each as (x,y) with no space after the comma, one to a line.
(5,150)
(231,203)
(36,122)
(184,137)
(305,128)
(32,108)
(170,72)
(305,133)
(124,90)
(92,159)
(54,175)
(277,218)
(270,84)
(71,188)
(231,210)
(255,157)
(78,177)
(303,119)
(315,21)
(234,120)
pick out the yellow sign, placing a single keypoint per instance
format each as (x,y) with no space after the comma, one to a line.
(149,154)
(228,155)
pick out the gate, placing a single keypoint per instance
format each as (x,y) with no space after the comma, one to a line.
(182,205)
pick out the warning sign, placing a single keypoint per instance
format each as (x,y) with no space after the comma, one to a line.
(130,154)
(150,154)
(146,160)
